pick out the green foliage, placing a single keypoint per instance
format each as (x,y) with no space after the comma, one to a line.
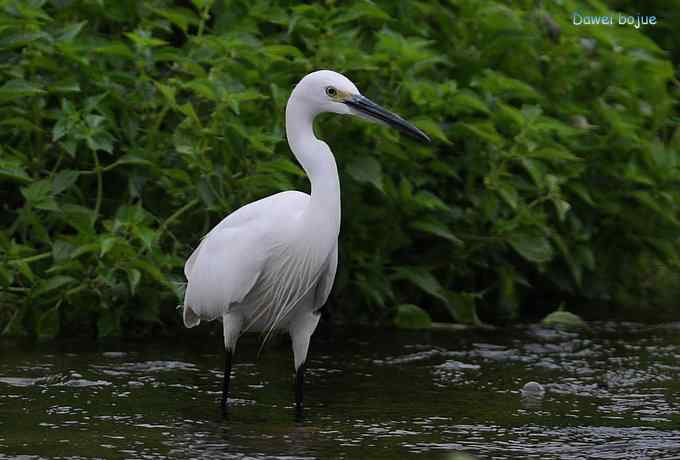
(412,317)
(130,128)
(563,318)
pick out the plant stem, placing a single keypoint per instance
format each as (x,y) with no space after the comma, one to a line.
(176,215)
(204,17)
(153,133)
(30,259)
(100,186)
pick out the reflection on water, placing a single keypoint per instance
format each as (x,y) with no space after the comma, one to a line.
(608,393)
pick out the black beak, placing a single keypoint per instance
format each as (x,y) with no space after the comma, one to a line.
(373,111)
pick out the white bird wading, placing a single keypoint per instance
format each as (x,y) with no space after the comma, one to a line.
(270,265)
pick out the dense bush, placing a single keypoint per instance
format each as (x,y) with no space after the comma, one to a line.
(130,128)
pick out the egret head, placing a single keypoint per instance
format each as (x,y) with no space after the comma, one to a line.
(328,91)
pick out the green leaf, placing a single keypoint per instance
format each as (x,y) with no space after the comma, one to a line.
(25,269)
(584,254)
(70,31)
(12,170)
(436,228)
(283,51)
(14,89)
(423,279)
(508,193)
(484,131)
(117,49)
(21,124)
(202,4)
(60,128)
(463,307)
(535,169)
(147,235)
(15,326)
(405,189)
(280,165)
(49,324)
(152,271)
(144,39)
(204,88)
(131,159)
(64,86)
(428,200)
(466,102)
(581,191)
(531,245)
(106,244)
(188,110)
(562,207)
(94,121)
(85,249)
(100,140)
(366,170)
(78,217)
(647,200)
(6,277)
(169,92)
(359,10)
(134,276)
(555,153)
(508,298)
(52,284)
(181,17)
(564,319)
(39,195)
(62,250)
(507,88)
(108,323)
(22,38)
(63,180)
(412,317)
(432,129)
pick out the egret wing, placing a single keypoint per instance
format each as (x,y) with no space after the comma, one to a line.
(231,257)
(222,271)
(291,201)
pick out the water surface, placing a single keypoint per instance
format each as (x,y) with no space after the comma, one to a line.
(612,392)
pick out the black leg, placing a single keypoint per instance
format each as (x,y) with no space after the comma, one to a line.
(225,383)
(299,395)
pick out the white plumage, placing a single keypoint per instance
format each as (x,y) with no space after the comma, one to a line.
(259,262)
(270,265)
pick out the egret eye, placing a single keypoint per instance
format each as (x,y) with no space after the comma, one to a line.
(331,92)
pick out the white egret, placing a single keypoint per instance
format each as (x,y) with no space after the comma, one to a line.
(270,265)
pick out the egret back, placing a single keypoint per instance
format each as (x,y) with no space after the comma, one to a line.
(292,201)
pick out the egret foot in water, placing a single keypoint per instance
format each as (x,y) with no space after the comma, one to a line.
(225,382)
(299,392)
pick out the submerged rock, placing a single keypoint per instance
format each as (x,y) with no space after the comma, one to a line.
(533,390)
(532,395)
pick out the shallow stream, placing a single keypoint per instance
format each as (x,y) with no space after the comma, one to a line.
(612,392)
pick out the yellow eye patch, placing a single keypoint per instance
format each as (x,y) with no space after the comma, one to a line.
(342,96)
(336,94)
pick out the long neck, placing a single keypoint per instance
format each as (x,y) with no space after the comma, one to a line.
(318,162)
